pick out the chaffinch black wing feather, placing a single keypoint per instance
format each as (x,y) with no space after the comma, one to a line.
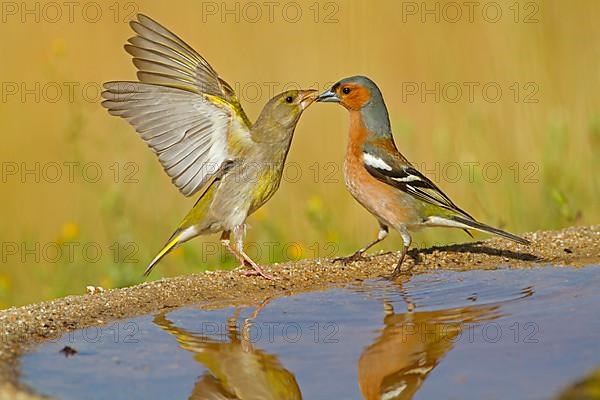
(396,171)
(180,108)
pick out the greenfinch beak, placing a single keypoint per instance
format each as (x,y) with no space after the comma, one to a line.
(307,97)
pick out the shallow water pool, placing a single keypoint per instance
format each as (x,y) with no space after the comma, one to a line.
(486,334)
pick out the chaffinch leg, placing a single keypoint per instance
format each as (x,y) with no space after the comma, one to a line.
(406,240)
(382,234)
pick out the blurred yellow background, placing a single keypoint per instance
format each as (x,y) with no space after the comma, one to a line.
(497,102)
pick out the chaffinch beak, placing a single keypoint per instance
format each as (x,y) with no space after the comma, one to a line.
(308,97)
(328,97)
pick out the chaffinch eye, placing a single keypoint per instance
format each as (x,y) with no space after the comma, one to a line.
(289,99)
(346,90)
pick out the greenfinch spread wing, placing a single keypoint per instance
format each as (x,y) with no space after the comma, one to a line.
(180,107)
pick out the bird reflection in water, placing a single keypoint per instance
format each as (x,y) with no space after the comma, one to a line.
(410,345)
(236,368)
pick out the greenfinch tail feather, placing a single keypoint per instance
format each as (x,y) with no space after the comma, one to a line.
(171,244)
(186,229)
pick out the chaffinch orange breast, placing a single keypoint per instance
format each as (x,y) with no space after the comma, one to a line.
(383,181)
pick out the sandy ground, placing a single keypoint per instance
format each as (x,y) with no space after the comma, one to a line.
(24,327)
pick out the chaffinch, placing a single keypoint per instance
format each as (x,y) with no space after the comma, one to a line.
(383,181)
(410,345)
(193,121)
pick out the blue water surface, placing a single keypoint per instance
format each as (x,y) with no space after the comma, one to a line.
(486,334)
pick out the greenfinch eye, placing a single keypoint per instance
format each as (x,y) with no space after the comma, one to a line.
(289,99)
(346,90)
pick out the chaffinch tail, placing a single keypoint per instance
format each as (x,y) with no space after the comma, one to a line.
(383,181)
(193,121)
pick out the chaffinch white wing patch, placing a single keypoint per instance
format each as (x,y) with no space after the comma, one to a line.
(408,178)
(375,162)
